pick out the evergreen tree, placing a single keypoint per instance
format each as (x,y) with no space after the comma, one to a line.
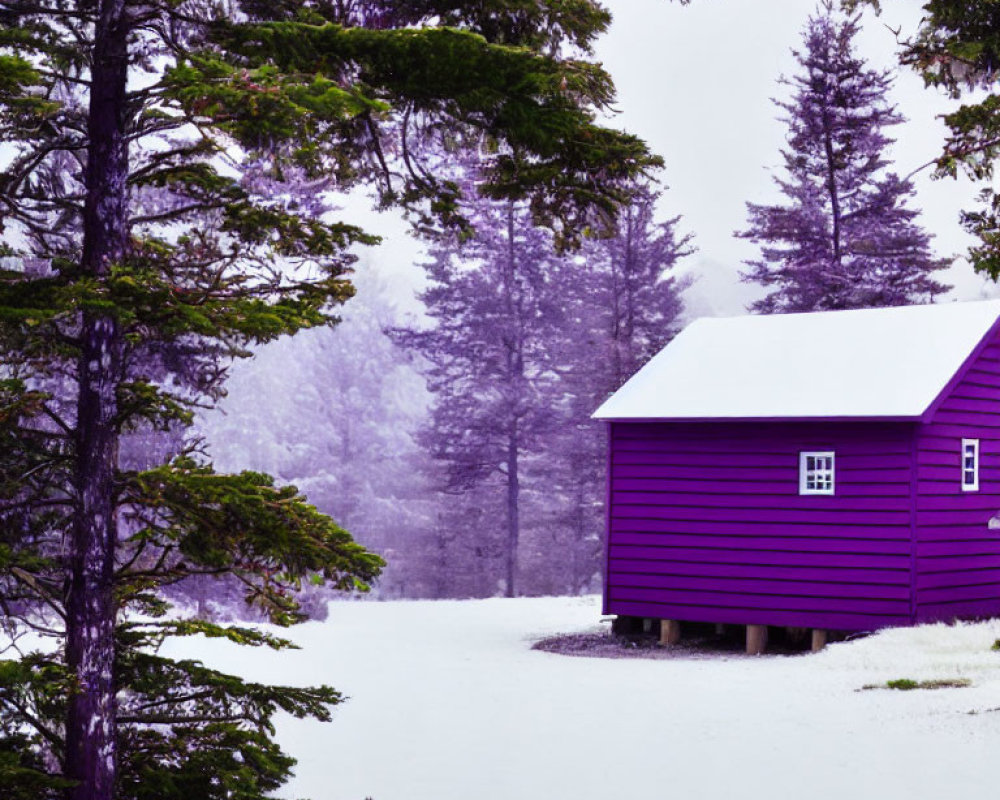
(844,238)
(621,305)
(524,343)
(166,159)
(489,366)
(346,434)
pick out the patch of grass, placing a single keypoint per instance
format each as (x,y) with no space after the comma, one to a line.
(996,645)
(982,711)
(908,684)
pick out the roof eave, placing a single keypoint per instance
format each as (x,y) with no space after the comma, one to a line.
(959,374)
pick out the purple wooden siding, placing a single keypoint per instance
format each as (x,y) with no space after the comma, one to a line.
(706,524)
(957,556)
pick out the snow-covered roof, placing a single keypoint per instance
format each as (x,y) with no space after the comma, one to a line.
(883,362)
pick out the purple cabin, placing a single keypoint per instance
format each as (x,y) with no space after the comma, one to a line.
(836,470)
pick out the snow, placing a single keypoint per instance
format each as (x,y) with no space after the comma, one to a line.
(448,702)
(885,362)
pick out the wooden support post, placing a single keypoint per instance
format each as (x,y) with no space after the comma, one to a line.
(756,639)
(818,639)
(670,631)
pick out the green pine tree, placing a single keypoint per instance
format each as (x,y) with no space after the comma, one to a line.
(167,161)
(957,49)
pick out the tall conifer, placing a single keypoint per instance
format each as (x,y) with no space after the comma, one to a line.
(844,237)
(166,159)
(489,366)
(524,343)
(622,304)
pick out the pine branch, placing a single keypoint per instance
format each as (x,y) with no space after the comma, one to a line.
(50,735)
(58,420)
(191,719)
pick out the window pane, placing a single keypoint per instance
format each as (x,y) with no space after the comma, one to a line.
(816,473)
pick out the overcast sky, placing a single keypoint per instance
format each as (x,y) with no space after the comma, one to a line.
(696,81)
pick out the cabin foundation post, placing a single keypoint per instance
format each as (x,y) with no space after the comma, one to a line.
(756,639)
(670,631)
(818,639)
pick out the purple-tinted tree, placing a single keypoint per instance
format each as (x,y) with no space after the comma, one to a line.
(532,342)
(489,366)
(335,412)
(621,306)
(524,343)
(844,237)
(470,550)
(633,299)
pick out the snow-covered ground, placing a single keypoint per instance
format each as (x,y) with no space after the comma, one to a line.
(449,702)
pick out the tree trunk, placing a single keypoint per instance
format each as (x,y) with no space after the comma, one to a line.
(91,757)
(617,367)
(580,574)
(630,284)
(513,512)
(831,186)
(515,376)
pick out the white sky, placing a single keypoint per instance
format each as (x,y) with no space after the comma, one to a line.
(696,83)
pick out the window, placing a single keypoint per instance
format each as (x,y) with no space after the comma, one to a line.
(970,465)
(816,473)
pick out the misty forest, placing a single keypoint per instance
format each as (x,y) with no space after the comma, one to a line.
(218,409)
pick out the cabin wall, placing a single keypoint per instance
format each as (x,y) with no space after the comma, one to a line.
(957,555)
(706,524)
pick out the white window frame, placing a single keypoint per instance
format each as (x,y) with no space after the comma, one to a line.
(817,473)
(970,475)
